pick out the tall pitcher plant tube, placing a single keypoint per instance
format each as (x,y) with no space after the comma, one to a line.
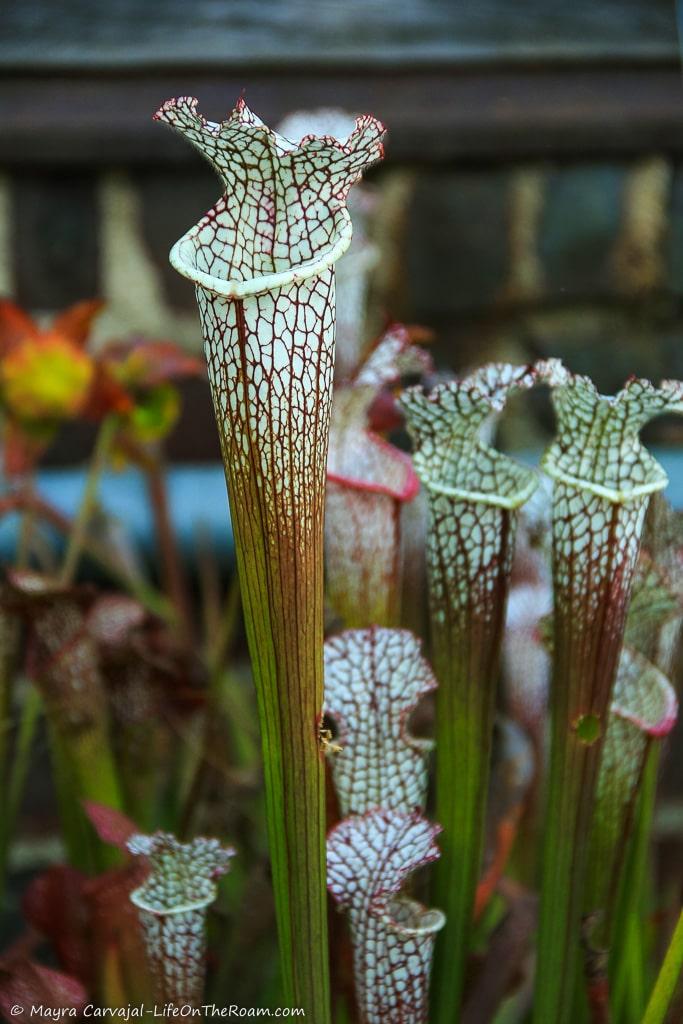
(263,264)
(65,664)
(369,483)
(473,493)
(603,478)
(644,709)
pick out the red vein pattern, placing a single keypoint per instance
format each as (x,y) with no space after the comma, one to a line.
(354,268)
(644,709)
(473,493)
(602,481)
(369,481)
(374,679)
(369,858)
(262,261)
(172,904)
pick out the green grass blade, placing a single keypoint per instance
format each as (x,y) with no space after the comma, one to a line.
(665,986)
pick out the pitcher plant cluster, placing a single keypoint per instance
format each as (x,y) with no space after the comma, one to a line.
(463,667)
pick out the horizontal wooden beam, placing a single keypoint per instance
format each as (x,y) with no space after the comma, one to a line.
(445,114)
(242,34)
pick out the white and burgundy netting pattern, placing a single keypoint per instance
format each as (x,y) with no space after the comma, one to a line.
(450,455)
(283,207)
(369,858)
(172,903)
(597,446)
(374,679)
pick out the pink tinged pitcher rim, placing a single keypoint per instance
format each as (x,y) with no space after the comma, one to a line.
(411,484)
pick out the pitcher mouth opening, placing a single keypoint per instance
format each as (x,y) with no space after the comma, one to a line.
(183,259)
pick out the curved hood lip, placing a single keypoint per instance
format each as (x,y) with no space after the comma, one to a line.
(237,289)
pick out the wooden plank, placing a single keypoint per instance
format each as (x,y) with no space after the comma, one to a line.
(432,115)
(361,33)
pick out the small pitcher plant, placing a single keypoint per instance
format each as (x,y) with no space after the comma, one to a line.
(374,678)
(172,904)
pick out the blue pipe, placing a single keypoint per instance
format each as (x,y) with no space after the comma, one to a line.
(198,502)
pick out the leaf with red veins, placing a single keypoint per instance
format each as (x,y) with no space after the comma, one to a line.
(474,494)
(283,205)
(355,266)
(368,482)
(369,858)
(262,260)
(603,478)
(644,696)
(644,708)
(450,455)
(598,447)
(172,904)
(374,679)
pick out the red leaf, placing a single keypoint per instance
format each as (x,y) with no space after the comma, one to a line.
(75,323)
(54,904)
(15,326)
(112,826)
(21,449)
(26,984)
(107,395)
(384,413)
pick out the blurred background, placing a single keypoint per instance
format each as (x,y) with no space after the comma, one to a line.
(531,202)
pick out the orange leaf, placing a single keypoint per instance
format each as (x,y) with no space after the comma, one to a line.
(75,323)
(15,326)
